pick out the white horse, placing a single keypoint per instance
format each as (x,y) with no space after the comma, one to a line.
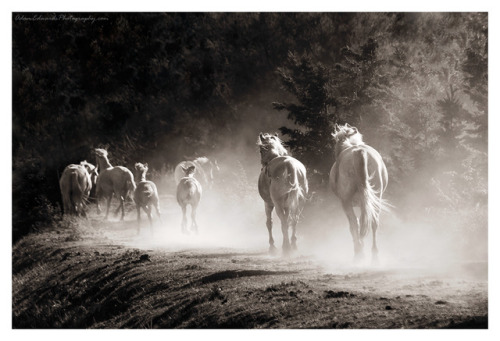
(75,184)
(112,180)
(189,193)
(359,178)
(205,170)
(282,184)
(145,196)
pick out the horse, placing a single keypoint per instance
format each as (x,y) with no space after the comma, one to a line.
(189,193)
(112,180)
(205,169)
(75,184)
(358,178)
(282,185)
(92,170)
(145,196)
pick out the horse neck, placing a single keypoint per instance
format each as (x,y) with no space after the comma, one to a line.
(103,163)
(271,155)
(341,146)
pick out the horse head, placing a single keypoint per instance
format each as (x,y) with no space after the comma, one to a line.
(142,170)
(92,170)
(189,171)
(101,153)
(347,133)
(346,136)
(101,157)
(141,167)
(270,147)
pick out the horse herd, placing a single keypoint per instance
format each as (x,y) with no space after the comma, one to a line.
(358,178)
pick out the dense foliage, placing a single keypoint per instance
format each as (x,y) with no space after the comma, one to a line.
(159,86)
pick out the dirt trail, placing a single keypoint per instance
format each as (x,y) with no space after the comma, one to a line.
(105,275)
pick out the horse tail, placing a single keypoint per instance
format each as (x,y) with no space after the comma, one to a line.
(295,194)
(74,190)
(371,204)
(130,187)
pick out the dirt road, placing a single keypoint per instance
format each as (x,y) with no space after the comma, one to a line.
(99,274)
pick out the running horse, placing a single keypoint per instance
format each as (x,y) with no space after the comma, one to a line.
(282,185)
(112,180)
(205,170)
(358,178)
(189,192)
(145,196)
(75,183)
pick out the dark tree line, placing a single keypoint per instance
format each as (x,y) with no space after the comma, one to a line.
(160,86)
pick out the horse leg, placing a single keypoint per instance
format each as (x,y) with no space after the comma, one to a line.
(293,224)
(98,196)
(283,215)
(269,224)
(354,227)
(65,200)
(157,207)
(138,207)
(184,220)
(121,206)
(107,207)
(82,210)
(194,224)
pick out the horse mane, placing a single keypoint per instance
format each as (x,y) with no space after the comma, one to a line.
(140,167)
(272,143)
(143,169)
(90,166)
(101,152)
(346,136)
(201,160)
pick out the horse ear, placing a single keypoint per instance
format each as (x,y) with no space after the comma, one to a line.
(260,137)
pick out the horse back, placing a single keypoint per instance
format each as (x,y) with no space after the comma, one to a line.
(200,173)
(346,172)
(279,175)
(118,179)
(145,192)
(75,179)
(189,190)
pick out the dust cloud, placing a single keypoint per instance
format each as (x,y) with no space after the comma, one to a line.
(231,217)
